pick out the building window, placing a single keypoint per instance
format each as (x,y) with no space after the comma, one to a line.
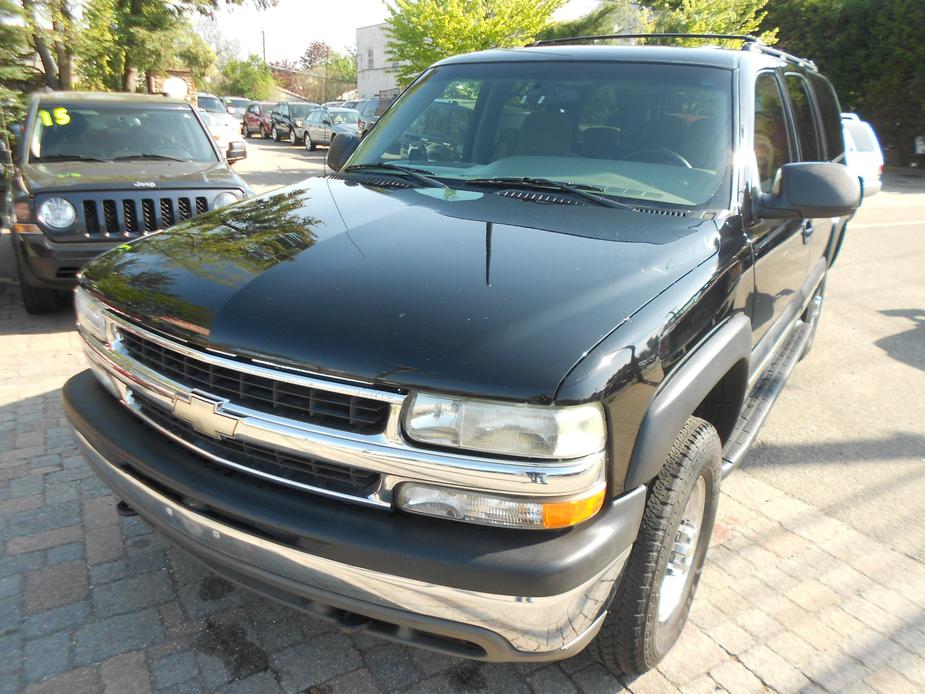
(370,63)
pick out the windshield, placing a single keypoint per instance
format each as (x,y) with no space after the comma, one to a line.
(343,116)
(863,141)
(71,131)
(301,110)
(660,133)
(211,104)
(238,103)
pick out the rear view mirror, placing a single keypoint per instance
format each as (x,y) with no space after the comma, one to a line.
(810,189)
(236,152)
(341,148)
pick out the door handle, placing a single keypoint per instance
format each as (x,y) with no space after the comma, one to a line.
(808,230)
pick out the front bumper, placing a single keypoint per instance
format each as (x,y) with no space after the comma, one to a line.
(437,584)
(46,263)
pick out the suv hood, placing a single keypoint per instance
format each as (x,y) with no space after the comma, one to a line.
(443,290)
(165,175)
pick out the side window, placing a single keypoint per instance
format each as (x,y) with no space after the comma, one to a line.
(804,118)
(830,113)
(284,110)
(772,143)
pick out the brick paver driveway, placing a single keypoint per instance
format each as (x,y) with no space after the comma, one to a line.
(815,580)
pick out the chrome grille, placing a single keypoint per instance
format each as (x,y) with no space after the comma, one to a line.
(280,398)
(280,465)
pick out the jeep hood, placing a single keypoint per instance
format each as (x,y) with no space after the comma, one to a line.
(444,290)
(128,175)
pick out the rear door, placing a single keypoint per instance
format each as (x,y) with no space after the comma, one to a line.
(781,253)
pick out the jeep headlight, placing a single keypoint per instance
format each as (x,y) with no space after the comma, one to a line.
(528,431)
(89,314)
(57,213)
(223,199)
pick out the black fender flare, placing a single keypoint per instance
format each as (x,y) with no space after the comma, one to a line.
(682,391)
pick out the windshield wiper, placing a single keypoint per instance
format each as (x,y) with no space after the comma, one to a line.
(581,190)
(162,157)
(419,175)
(68,157)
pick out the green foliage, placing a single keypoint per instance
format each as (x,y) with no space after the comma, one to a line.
(710,17)
(422,32)
(872,51)
(249,78)
(615,17)
(13,72)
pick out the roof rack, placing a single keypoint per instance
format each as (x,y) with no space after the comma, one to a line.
(749,43)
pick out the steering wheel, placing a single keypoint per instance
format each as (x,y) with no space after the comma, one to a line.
(662,154)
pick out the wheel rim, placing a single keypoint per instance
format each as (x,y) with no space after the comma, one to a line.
(308,142)
(683,552)
(292,136)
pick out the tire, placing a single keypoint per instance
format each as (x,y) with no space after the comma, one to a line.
(246,132)
(309,143)
(37,300)
(640,628)
(293,138)
(276,137)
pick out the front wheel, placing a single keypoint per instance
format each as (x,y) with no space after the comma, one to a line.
(37,300)
(309,143)
(293,140)
(276,137)
(660,578)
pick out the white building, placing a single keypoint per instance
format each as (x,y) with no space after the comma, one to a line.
(374,69)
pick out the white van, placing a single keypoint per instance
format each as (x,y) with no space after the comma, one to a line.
(862,152)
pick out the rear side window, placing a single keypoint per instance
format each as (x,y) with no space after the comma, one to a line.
(804,118)
(830,113)
(772,143)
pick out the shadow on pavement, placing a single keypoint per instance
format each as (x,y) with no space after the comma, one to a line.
(907,346)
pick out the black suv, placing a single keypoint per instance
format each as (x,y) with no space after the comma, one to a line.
(92,171)
(477,390)
(288,120)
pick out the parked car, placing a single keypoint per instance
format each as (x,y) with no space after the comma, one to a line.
(483,403)
(349,104)
(322,125)
(862,152)
(236,105)
(370,110)
(289,120)
(225,132)
(332,104)
(258,119)
(96,170)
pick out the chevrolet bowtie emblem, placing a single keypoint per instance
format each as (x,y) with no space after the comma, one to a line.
(202,413)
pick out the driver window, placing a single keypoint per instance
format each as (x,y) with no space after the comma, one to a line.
(772,141)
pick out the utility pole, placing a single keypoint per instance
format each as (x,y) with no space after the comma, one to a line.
(263,38)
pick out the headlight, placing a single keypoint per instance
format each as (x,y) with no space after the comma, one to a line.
(57,213)
(223,199)
(90,314)
(529,431)
(298,124)
(488,509)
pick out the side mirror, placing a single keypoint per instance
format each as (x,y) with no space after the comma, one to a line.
(236,152)
(340,150)
(326,121)
(810,189)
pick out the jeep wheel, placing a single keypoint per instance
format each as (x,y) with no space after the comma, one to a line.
(654,599)
(309,143)
(37,299)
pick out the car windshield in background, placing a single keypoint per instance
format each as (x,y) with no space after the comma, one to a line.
(301,110)
(239,103)
(74,132)
(211,104)
(660,133)
(863,142)
(343,116)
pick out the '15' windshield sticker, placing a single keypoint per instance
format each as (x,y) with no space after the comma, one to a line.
(57,116)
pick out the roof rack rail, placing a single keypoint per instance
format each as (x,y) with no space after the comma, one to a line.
(747,38)
(749,43)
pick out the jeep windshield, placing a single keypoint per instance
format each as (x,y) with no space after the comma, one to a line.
(659,133)
(81,132)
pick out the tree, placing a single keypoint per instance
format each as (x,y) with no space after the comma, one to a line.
(250,78)
(710,17)
(51,26)
(13,71)
(316,54)
(618,16)
(423,31)
(873,53)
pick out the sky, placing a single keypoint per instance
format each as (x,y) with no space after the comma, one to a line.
(293,24)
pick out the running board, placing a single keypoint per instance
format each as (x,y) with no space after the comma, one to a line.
(763,395)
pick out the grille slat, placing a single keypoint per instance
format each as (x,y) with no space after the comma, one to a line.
(90,218)
(280,398)
(167,218)
(147,214)
(184,209)
(302,470)
(110,217)
(131,216)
